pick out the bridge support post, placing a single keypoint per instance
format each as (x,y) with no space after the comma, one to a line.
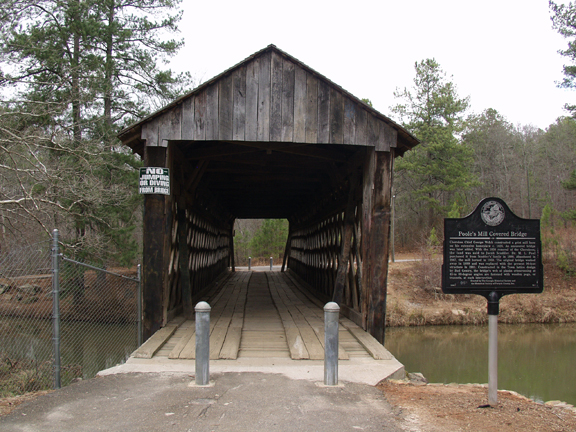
(331,316)
(202,344)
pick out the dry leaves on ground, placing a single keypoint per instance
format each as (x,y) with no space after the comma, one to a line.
(440,408)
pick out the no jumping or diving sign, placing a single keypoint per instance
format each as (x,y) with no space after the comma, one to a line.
(154,181)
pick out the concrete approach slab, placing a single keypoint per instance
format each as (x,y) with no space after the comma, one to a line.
(236,402)
(361,371)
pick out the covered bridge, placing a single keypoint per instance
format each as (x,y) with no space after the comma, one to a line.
(269,138)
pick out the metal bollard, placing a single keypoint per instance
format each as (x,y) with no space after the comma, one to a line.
(202,343)
(271,263)
(331,316)
(249,263)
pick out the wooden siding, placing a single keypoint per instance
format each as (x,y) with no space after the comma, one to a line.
(270,99)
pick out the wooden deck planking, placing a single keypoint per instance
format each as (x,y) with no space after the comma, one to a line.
(263,334)
(307,316)
(309,336)
(364,341)
(271,317)
(231,343)
(296,345)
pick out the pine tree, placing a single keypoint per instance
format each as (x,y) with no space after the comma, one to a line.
(75,73)
(430,174)
(564,21)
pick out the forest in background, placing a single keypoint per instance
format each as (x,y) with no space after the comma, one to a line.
(73,74)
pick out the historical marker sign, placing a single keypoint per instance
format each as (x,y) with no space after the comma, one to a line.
(154,181)
(492,250)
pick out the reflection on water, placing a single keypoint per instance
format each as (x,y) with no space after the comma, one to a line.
(536,360)
(91,346)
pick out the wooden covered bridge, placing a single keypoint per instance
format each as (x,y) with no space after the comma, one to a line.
(269,138)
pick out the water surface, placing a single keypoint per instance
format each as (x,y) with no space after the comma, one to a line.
(536,360)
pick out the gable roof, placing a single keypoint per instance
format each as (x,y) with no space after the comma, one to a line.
(270,97)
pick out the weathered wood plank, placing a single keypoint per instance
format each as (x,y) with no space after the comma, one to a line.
(323,113)
(217,340)
(372,130)
(225,107)
(150,132)
(387,138)
(370,344)
(288,77)
(361,126)
(346,243)
(212,120)
(184,340)
(310,339)
(252,77)
(349,122)
(183,258)
(157,341)
(306,321)
(300,101)
(188,121)
(294,339)
(336,117)
(366,226)
(311,109)
(239,119)
(276,98)
(189,350)
(200,113)
(377,254)
(170,127)
(296,344)
(264,90)
(154,250)
(231,344)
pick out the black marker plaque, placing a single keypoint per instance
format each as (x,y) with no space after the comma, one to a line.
(492,250)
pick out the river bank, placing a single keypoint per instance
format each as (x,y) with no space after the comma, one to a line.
(415,298)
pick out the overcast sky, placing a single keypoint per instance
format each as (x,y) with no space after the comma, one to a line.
(501,53)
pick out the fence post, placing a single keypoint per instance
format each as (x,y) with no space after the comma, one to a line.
(139,304)
(202,343)
(249,263)
(331,315)
(56,308)
(271,263)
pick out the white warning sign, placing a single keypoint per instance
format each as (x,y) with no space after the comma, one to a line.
(154,181)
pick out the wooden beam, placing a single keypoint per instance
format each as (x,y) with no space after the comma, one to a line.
(184,256)
(379,234)
(154,250)
(346,243)
(288,248)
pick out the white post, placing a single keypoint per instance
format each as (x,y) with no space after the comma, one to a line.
(202,343)
(331,315)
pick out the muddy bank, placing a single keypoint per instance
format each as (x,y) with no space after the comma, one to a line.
(415,298)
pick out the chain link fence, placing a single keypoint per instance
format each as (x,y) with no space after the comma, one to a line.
(62,320)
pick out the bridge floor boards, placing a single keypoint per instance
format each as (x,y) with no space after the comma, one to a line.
(256,315)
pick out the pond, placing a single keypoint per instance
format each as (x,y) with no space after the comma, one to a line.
(85,347)
(536,360)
